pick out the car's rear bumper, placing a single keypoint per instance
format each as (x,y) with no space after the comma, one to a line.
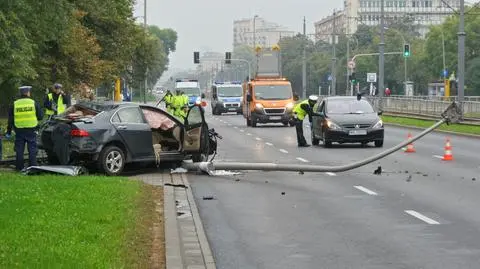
(343,136)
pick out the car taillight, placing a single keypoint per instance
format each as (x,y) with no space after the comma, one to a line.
(79,133)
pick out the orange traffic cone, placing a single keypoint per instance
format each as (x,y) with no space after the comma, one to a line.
(410,148)
(448,156)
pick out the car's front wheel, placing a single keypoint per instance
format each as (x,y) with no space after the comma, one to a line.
(379,143)
(112,160)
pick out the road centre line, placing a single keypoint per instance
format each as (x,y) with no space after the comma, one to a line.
(302,160)
(235,127)
(249,134)
(438,156)
(282,150)
(269,144)
(242,130)
(258,138)
(365,190)
(422,217)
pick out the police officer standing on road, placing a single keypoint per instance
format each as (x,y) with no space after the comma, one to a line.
(23,118)
(57,101)
(301,110)
(180,104)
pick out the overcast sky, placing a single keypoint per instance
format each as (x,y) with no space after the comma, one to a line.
(207,25)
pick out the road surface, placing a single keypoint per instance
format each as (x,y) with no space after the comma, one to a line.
(421,212)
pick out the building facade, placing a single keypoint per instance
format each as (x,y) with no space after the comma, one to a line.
(259,31)
(423,13)
(335,23)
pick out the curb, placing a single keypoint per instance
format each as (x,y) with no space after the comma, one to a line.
(202,236)
(186,244)
(438,131)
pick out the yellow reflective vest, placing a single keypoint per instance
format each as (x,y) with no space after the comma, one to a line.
(60,105)
(24,113)
(297,109)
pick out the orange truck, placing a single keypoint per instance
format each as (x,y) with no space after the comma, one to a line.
(268,97)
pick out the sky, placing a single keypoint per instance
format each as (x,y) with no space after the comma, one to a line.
(207,25)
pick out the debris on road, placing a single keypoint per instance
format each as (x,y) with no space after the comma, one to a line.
(176,185)
(179,170)
(208,197)
(473,179)
(409,178)
(378,171)
(283,193)
(225,173)
(69,170)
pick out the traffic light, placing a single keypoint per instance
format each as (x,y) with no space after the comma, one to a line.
(196,57)
(353,78)
(406,50)
(228,57)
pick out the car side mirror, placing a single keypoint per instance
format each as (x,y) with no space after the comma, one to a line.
(380,113)
(249,98)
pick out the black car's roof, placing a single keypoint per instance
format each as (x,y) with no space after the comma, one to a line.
(105,106)
(340,98)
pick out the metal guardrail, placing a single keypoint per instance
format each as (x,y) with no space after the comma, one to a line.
(437,98)
(424,107)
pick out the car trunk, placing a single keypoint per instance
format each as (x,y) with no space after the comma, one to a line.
(56,134)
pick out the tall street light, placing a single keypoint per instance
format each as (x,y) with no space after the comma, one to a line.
(381,58)
(254,31)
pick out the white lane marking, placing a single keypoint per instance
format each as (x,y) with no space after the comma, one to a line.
(269,144)
(331,174)
(438,156)
(421,217)
(258,138)
(242,130)
(365,190)
(235,127)
(249,134)
(302,160)
(282,150)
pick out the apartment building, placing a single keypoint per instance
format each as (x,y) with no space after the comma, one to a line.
(259,31)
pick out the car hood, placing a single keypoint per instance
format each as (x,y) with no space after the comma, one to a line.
(370,118)
(229,99)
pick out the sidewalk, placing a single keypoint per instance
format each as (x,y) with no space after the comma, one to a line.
(186,244)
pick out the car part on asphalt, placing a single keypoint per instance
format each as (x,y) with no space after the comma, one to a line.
(451,115)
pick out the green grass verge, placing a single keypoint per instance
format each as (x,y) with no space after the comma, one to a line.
(458,128)
(82,222)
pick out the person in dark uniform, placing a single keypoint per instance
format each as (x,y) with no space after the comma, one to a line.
(301,110)
(23,118)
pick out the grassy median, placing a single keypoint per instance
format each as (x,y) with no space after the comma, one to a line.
(79,222)
(457,128)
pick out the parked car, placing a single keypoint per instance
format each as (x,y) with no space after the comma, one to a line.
(346,119)
(112,135)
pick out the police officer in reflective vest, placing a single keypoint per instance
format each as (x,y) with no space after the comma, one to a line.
(57,101)
(23,118)
(180,104)
(301,110)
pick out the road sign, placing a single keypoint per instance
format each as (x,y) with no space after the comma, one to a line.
(445,73)
(351,64)
(371,77)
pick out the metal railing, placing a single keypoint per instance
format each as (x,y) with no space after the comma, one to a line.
(424,105)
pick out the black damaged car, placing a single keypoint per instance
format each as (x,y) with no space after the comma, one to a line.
(346,119)
(109,135)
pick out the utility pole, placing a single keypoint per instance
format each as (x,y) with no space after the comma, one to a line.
(381,58)
(304,61)
(461,55)
(334,59)
(146,31)
(348,58)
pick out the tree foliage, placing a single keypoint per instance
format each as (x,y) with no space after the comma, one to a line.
(77,42)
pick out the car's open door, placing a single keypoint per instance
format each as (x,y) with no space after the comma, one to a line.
(195,130)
